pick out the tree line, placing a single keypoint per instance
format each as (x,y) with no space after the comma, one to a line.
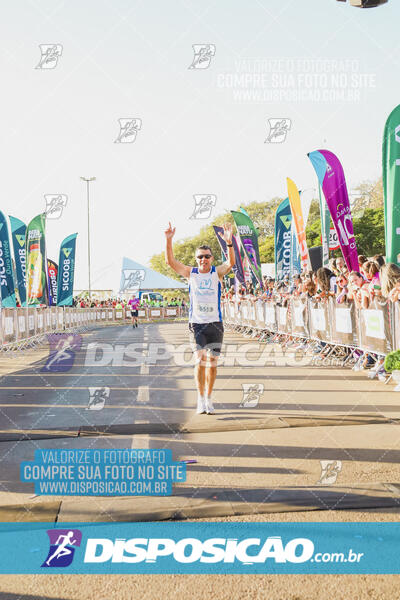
(368,221)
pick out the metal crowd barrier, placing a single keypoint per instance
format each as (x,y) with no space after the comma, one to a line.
(19,326)
(375,329)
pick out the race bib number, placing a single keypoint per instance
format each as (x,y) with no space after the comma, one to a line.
(205,309)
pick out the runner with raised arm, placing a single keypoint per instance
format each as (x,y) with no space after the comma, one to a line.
(205,316)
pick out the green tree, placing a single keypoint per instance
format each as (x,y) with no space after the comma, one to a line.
(267,250)
(369,231)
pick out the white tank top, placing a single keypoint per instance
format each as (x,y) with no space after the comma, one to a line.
(205,296)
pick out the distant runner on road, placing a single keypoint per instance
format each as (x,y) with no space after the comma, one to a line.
(205,316)
(134,305)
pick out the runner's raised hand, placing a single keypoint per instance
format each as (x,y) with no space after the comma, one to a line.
(170,232)
(227,234)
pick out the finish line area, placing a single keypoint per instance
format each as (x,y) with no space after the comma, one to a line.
(286,435)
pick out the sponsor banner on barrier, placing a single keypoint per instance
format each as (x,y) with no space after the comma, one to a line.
(298,309)
(199,548)
(374,325)
(343,320)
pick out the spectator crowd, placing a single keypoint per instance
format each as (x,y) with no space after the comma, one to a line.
(122,303)
(374,279)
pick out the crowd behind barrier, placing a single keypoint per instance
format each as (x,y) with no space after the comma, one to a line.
(25,325)
(332,312)
(375,329)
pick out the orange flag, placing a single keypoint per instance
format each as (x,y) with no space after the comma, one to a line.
(297,212)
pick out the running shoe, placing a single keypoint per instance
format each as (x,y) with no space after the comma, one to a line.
(209,406)
(201,405)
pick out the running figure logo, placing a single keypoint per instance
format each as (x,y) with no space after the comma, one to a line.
(203,54)
(203,205)
(132,279)
(128,129)
(251,394)
(98,397)
(205,284)
(55,203)
(278,129)
(62,352)
(50,53)
(330,470)
(62,547)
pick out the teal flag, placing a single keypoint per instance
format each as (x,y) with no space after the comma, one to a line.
(18,234)
(325,228)
(287,254)
(283,242)
(391,185)
(66,271)
(7,288)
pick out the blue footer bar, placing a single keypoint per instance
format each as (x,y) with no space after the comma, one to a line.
(184,547)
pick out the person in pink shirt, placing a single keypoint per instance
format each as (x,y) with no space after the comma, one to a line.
(134,306)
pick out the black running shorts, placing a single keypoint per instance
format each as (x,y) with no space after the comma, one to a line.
(134,313)
(207,336)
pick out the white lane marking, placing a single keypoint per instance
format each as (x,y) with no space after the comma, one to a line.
(142,440)
(143,395)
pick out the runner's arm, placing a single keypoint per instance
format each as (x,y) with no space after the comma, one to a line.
(170,259)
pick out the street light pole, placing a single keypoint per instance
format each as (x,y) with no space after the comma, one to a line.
(88,180)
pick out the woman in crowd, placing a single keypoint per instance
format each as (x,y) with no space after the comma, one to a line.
(326,282)
(358,290)
(390,281)
(343,290)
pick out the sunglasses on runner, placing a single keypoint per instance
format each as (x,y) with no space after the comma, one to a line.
(203,256)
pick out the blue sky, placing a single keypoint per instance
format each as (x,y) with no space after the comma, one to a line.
(200,132)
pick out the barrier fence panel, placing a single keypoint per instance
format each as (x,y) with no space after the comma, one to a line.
(319,321)
(40,320)
(282,319)
(396,325)
(375,328)
(60,317)
(252,314)
(344,323)
(231,311)
(21,323)
(299,317)
(260,314)
(244,309)
(270,315)
(31,322)
(8,325)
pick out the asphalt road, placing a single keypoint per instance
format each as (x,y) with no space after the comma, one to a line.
(297,415)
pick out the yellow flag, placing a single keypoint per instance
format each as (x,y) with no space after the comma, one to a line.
(297,212)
